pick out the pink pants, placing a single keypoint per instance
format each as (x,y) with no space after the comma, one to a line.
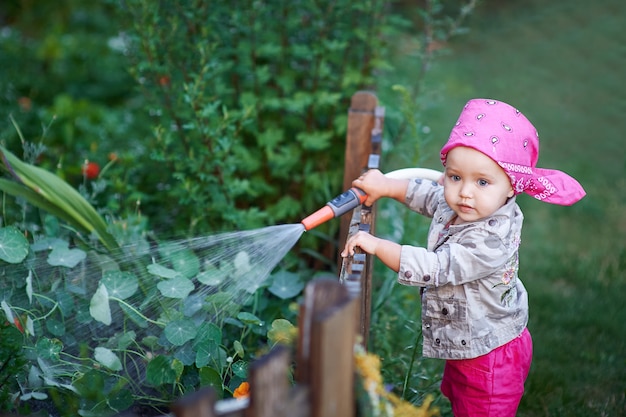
(491,385)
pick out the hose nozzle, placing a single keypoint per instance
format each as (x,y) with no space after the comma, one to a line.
(339,205)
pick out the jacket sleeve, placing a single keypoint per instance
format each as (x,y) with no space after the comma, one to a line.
(422,196)
(477,254)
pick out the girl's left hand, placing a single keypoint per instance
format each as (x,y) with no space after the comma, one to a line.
(363,240)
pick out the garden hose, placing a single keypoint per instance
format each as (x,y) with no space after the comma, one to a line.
(353,197)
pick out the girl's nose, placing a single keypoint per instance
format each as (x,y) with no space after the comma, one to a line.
(466,190)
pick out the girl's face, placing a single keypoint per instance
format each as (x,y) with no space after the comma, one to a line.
(474,185)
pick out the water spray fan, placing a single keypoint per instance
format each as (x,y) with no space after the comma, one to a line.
(352,198)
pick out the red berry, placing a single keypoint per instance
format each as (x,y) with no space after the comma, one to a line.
(91,170)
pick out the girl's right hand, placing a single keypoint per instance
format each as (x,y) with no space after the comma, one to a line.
(377,185)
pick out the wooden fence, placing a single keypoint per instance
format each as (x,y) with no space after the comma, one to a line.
(333,317)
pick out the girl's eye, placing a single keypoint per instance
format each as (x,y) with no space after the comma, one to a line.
(455,177)
(483,183)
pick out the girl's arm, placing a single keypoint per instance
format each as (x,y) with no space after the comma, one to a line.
(387,251)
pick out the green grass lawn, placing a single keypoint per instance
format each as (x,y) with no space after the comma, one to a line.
(563,64)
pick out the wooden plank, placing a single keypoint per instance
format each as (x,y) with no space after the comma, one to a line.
(361,121)
(269,384)
(319,295)
(198,404)
(332,352)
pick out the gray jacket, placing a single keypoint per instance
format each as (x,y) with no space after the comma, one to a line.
(472,299)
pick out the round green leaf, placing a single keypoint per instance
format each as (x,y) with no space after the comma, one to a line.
(240,368)
(99,306)
(238,348)
(179,332)
(161,271)
(13,245)
(66,257)
(107,358)
(120,400)
(185,262)
(249,318)
(120,284)
(160,371)
(55,327)
(211,378)
(176,288)
(49,348)
(212,276)
(286,285)
(242,263)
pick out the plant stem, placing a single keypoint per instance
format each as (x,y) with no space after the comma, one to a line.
(409,371)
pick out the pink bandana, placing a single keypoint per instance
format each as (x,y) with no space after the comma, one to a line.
(506,136)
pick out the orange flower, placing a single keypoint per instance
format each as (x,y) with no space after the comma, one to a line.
(242,391)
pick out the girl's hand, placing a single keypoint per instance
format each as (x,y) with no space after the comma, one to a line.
(377,185)
(363,240)
(387,251)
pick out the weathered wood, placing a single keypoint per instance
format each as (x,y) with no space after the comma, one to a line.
(198,404)
(361,121)
(356,274)
(319,295)
(332,352)
(269,384)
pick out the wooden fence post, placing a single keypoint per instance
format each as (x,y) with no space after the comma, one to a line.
(363,148)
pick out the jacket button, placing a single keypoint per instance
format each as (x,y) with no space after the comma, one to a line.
(463,342)
(426,278)
(408,274)
(492,222)
(438,341)
(444,311)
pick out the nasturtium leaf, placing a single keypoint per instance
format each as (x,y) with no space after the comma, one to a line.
(161,271)
(99,306)
(66,257)
(186,355)
(249,318)
(212,276)
(185,262)
(49,243)
(208,332)
(13,245)
(242,263)
(49,349)
(176,287)
(120,284)
(107,358)
(179,332)
(281,331)
(286,285)
(65,302)
(210,353)
(125,339)
(238,348)
(120,400)
(29,286)
(55,327)
(160,371)
(209,377)
(192,304)
(240,368)
(7,311)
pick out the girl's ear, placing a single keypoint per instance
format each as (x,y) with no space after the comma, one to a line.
(511,193)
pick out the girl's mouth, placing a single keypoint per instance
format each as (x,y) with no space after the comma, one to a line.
(464,208)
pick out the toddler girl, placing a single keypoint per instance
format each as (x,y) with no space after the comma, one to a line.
(474,307)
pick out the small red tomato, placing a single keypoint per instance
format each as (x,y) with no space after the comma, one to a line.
(91,170)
